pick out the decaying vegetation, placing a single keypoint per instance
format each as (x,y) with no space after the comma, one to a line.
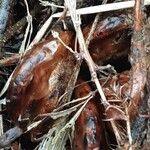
(75,74)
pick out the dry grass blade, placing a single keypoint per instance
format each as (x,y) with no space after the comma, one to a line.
(63,113)
(28,32)
(33,125)
(6,85)
(109,7)
(74,101)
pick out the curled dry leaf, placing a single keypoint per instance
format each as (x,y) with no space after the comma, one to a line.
(39,80)
(89,128)
(110,39)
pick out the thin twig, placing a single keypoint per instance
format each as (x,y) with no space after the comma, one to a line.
(76,22)
(56,35)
